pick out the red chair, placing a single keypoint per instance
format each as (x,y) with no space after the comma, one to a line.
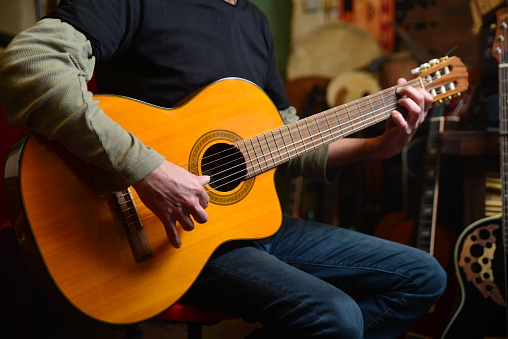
(194,317)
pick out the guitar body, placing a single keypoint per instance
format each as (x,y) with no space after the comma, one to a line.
(75,237)
(480,265)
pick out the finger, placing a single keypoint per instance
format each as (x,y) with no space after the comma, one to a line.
(410,92)
(186,222)
(204,202)
(398,119)
(204,179)
(420,96)
(204,198)
(412,109)
(172,234)
(200,215)
(414,101)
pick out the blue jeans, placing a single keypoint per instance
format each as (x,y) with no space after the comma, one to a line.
(319,281)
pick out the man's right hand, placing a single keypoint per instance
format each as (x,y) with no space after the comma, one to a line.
(174,194)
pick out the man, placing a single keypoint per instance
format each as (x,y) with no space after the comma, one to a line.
(299,283)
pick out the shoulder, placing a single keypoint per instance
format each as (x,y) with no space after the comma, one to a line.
(109,25)
(254,11)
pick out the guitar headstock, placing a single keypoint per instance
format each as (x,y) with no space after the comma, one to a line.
(499,44)
(443,78)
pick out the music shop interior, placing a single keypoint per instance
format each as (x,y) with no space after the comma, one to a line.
(442,193)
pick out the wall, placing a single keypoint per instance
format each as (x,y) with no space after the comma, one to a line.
(278,13)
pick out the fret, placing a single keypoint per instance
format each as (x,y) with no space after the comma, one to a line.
(310,138)
(284,144)
(329,127)
(288,142)
(255,158)
(270,147)
(349,119)
(293,142)
(372,110)
(359,110)
(319,134)
(302,136)
(382,100)
(279,154)
(265,152)
(339,124)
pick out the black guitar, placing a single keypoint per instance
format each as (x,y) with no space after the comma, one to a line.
(481,250)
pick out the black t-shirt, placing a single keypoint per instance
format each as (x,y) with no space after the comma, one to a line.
(159,51)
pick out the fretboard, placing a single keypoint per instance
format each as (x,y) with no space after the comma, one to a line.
(503,133)
(428,205)
(270,149)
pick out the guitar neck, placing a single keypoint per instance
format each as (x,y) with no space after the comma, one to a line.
(503,134)
(428,200)
(442,78)
(268,150)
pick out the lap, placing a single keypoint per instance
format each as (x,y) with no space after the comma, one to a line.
(301,260)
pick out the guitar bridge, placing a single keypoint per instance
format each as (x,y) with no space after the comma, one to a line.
(133,226)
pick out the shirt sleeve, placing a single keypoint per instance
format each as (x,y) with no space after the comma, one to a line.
(43,86)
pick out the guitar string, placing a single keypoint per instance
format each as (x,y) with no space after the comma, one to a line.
(389,107)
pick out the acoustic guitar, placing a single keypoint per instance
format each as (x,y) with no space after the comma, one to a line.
(480,255)
(108,256)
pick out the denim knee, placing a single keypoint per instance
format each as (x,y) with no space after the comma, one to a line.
(433,280)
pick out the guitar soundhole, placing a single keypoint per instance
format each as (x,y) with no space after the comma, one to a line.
(225,165)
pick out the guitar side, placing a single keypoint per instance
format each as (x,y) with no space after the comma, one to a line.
(74,236)
(480,265)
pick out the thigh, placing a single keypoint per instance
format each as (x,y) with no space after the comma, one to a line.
(352,261)
(243,279)
(392,284)
(243,275)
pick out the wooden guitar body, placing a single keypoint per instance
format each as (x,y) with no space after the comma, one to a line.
(480,265)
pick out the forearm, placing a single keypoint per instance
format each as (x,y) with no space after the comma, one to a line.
(348,151)
(43,86)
